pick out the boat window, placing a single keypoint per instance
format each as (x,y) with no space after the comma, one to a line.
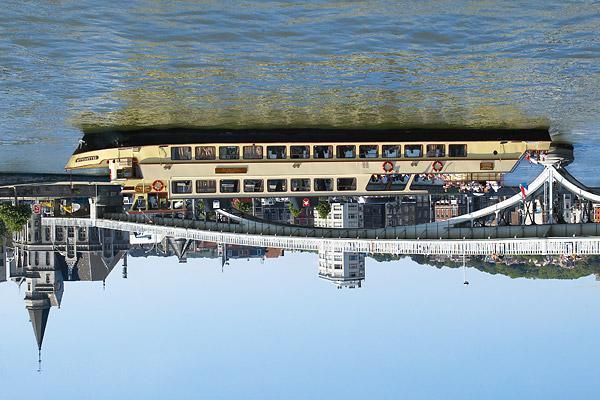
(276,152)
(368,151)
(205,152)
(390,150)
(346,184)
(277,185)
(206,186)
(253,152)
(229,153)
(436,150)
(323,151)
(178,187)
(253,185)
(299,151)
(387,182)
(124,173)
(457,150)
(230,186)
(181,153)
(346,151)
(413,151)
(300,185)
(323,184)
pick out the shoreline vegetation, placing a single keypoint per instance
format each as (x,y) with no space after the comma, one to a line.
(530,267)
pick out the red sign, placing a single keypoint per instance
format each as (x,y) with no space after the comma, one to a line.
(306,202)
(37,208)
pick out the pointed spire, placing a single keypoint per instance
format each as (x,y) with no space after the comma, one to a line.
(39,319)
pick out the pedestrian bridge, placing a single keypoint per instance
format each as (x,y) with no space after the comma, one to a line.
(435,238)
(576,239)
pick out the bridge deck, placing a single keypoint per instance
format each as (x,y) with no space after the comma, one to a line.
(578,239)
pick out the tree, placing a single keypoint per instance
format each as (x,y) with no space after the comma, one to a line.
(293,210)
(14,217)
(323,209)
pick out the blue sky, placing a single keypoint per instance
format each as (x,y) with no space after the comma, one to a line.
(275,330)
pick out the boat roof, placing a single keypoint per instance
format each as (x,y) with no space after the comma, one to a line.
(172,136)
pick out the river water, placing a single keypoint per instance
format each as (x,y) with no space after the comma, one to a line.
(70,65)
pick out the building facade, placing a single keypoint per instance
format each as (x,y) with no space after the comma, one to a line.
(342,215)
(342,269)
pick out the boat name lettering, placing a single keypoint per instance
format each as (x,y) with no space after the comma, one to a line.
(89,158)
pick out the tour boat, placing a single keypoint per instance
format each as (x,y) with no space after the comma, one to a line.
(165,165)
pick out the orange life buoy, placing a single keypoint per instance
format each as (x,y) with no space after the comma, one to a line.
(437,166)
(158,185)
(388,166)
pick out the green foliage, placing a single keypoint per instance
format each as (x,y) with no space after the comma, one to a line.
(323,209)
(242,206)
(14,217)
(293,210)
(201,206)
(520,266)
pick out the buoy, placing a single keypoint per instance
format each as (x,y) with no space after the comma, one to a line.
(388,166)
(158,185)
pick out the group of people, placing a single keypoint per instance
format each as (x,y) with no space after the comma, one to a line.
(463,186)
(473,186)
(386,178)
(535,157)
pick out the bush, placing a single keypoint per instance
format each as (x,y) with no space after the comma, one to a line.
(14,217)
(323,209)
(242,206)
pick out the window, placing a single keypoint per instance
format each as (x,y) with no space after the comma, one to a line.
(179,187)
(391,150)
(181,153)
(206,186)
(346,184)
(345,151)
(436,150)
(299,152)
(300,185)
(37,258)
(253,185)
(205,153)
(277,185)
(368,151)
(323,184)
(413,151)
(323,151)
(229,153)
(230,186)
(253,152)
(47,278)
(276,152)
(47,258)
(457,150)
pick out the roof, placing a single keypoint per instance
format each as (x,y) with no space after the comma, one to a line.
(38,314)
